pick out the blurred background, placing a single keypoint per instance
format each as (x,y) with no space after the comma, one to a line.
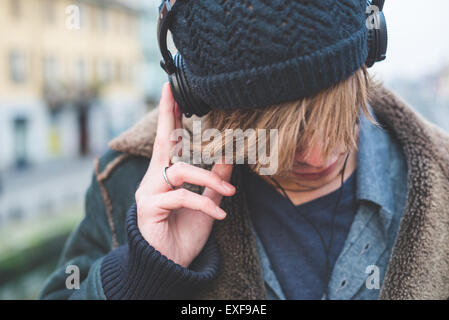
(76,73)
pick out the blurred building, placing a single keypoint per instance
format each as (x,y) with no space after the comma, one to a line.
(153,76)
(69,77)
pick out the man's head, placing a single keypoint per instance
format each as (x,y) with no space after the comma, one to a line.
(314,134)
(294,66)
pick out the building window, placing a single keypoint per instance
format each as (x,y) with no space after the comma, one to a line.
(81,72)
(128,21)
(84,16)
(105,71)
(115,21)
(20,141)
(49,11)
(51,70)
(15,6)
(131,74)
(124,72)
(102,17)
(100,72)
(124,23)
(118,72)
(17,64)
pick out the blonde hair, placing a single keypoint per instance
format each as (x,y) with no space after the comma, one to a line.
(332,113)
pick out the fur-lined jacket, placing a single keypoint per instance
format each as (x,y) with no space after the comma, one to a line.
(418,266)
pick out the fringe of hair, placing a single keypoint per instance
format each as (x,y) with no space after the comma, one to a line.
(329,117)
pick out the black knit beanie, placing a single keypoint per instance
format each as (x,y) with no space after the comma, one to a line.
(256,53)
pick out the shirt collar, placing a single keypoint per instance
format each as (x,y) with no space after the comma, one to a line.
(373,169)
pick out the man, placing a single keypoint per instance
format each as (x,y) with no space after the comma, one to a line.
(349,202)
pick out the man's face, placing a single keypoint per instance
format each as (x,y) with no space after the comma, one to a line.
(312,170)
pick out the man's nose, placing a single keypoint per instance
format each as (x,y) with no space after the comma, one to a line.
(314,158)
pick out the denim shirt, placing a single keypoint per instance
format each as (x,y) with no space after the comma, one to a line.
(381,193)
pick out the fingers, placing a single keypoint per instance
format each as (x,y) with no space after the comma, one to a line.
(183,198)
(165,126)
(224,171)
(182,172)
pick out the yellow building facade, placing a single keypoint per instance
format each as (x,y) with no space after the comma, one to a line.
(38,34)
(63,48)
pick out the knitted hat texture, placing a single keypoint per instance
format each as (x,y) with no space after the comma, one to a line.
(256,53)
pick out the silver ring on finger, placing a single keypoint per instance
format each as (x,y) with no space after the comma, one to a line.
(164,174)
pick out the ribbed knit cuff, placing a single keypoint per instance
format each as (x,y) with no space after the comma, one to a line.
(138,271)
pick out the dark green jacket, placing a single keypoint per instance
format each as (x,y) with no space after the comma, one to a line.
(419,264)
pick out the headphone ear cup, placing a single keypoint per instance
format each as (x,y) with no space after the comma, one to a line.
(182,92)
(371,48)
(177,92)
(377,42)
(383,38)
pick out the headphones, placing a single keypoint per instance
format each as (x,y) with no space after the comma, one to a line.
(175,67)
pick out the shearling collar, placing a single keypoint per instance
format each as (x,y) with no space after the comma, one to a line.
(419,265)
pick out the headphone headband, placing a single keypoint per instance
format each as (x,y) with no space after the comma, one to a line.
(162,29)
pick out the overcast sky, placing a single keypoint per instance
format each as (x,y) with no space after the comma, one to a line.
(418,38)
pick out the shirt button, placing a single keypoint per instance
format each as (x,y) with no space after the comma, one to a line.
(343,283)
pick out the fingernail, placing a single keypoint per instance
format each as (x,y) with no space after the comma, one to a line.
(220,212)
(227,186)
(166,92)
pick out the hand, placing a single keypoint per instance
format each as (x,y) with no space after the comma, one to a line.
(178,222)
